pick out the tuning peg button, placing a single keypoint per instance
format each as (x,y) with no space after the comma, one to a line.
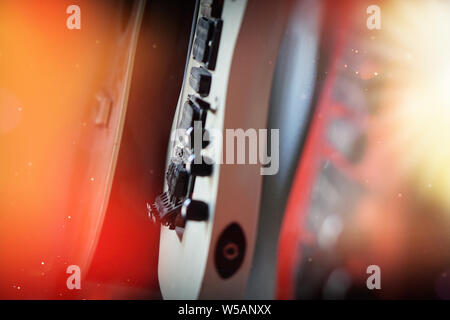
(202,169)
(195,210)
(189,138)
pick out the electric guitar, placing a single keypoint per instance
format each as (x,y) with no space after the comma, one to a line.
(209,211)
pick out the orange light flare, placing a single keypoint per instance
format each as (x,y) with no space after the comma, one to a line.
(54,161)
(406,216)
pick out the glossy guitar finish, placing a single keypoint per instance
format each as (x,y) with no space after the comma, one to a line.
(211,258)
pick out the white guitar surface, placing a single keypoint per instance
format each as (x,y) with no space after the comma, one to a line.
(211,258)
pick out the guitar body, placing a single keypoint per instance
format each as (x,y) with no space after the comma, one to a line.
(210,257)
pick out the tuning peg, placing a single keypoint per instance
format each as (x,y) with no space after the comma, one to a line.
(202,169)
(194,210)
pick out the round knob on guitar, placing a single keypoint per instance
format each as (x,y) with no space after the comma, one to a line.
(194,210)
(189,138)
(203,168)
